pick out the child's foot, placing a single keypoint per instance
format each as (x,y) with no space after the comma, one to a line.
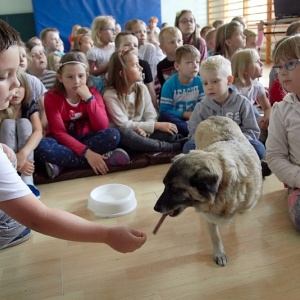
(22,237)
(117,157)
(265,169)
(34,190)
(53,170)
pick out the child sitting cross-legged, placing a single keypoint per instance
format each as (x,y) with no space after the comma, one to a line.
(221,100)
(183,90)
(78,135)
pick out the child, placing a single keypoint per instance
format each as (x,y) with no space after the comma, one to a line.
(103,36)
(204,30)
(170,38)
(246,69)
(25,207)
(251,38)
(78,133)
(153,31)
(210,40)
(21,129)
(37,65)
(128,41)
(37,88)
(147,51)
(186,22)
(221,100)
(283,143)
(130,108)
(50,39)
(229,39)
(83,42)
(182,91)
(73,35)
(53,60)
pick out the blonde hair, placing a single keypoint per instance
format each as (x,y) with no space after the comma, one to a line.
(168,31)
(51,63)
(240,60)
(9,112)
(224,33)
(186,50)
(216,63)
(131,23)
(99,23)
(289,48)
(293,28)
(249,33)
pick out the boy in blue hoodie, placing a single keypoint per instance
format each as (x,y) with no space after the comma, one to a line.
(221,100)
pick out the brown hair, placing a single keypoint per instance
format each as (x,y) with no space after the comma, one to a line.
(116,66)
(44,33)
(225,32)
(8,36)
(186,50)
(194,38)
(72,56)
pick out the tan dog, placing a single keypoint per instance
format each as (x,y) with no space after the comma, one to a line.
(220,178)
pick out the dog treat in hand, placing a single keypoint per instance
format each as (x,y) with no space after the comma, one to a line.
(159,223)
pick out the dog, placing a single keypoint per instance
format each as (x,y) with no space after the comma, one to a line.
(220,178)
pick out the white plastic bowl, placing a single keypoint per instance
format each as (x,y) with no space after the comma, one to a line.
(112,200)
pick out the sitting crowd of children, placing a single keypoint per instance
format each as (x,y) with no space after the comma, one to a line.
(98,103)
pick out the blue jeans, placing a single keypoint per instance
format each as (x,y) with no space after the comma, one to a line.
(103,141)
(181,124)
(257,145)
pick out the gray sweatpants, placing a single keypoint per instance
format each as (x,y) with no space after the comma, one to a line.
(15,133)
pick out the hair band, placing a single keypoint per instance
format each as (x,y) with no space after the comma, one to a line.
(72,62)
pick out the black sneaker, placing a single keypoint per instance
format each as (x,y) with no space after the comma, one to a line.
(265,169)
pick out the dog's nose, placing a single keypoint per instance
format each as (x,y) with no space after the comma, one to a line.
(156,208)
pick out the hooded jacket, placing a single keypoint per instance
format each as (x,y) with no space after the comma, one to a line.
(237,107)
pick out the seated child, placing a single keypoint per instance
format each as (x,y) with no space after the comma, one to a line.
(170,39)
(183,90)
(130,108)
(21,129)
(210,40)
(247,68)
(283,143)
(221,100)
(78,135)
(126,40)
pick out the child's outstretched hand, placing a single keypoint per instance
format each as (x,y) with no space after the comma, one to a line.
(125,239)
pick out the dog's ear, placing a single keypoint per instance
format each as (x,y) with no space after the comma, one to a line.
(205,182)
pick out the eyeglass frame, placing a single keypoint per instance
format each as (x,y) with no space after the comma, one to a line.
(186,21)
(113,30)
(278,68)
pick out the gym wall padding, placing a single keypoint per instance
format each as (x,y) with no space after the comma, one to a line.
(63,14)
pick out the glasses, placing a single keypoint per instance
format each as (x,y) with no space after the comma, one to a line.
(186,21)
(113,30)
(290,65)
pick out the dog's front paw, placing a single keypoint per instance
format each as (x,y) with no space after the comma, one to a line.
(220,259)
